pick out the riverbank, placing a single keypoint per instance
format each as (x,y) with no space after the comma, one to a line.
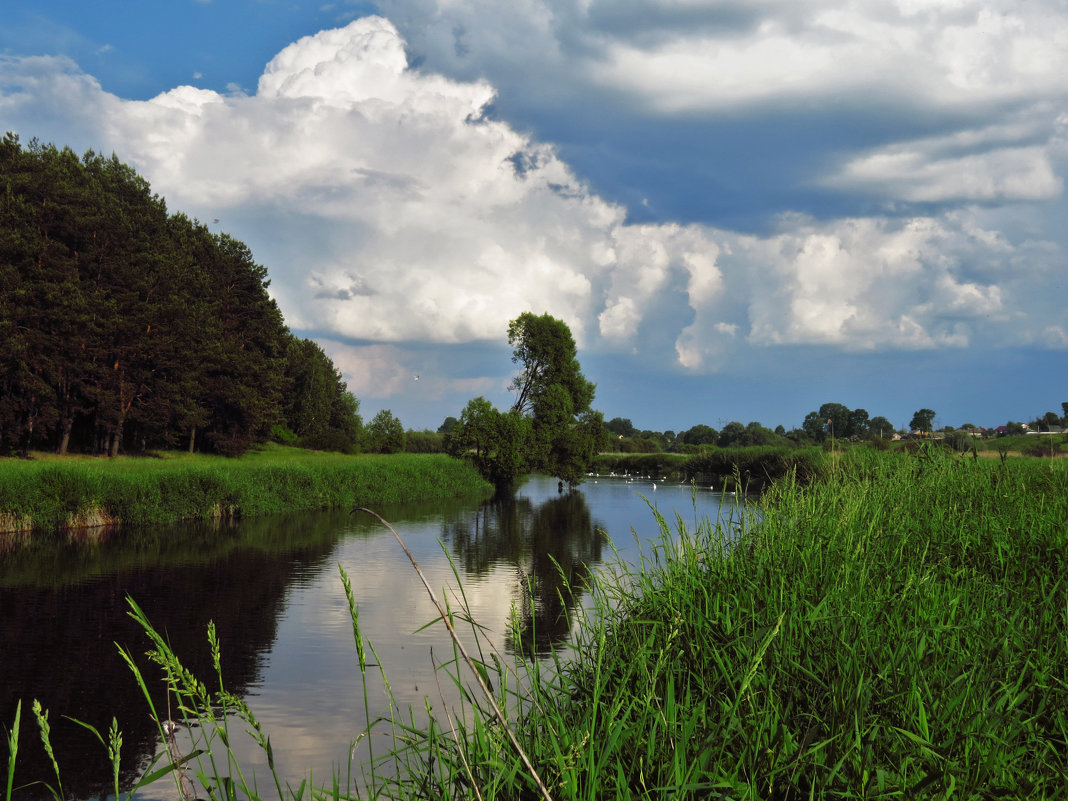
(749,469)
(49,495)
(895,629)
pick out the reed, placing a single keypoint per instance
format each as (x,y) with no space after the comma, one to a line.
(893,630)
(48,496)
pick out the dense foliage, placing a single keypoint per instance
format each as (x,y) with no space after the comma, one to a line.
(123,327)
(551,427)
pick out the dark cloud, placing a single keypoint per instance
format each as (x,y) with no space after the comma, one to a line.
(645,23)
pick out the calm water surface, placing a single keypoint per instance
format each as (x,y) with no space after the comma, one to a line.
(272,587)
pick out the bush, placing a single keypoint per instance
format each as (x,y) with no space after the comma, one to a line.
(424,442)
(1042,446)
(755,467)
(283,435)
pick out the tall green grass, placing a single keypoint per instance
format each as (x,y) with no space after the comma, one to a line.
(51,495)
(897,630)
(894,630)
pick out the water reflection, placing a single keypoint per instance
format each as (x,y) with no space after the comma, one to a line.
(552,546)
(63,612)
(271,586)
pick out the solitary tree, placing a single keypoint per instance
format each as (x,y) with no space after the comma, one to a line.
(923,420)
(550,427)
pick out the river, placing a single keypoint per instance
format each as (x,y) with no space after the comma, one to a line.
(273,589)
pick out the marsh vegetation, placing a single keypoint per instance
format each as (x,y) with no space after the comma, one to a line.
(893,630)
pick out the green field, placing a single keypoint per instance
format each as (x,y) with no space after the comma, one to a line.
(48,494)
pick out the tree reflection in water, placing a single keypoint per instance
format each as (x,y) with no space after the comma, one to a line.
(551,545)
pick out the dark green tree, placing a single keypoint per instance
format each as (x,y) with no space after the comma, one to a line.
(318,408)
(1047,420)
(858,424)
(815,426)
(836,417)
(550,427)
(499,444)
(699,434)
(122,327)
(621,427)
(385,434)
(923,420)
(879,426)
(731,434)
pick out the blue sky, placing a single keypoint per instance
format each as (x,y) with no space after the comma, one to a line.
(742,209)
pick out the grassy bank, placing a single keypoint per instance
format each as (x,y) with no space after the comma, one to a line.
(893,630)
(896,630)
(49,495)
(751,468)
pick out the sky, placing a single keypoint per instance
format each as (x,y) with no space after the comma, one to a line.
(743,209)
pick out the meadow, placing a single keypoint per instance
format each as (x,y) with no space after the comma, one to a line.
(49,494)
(895,629)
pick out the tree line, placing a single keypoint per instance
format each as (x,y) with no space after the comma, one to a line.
(830,421)
(125,328)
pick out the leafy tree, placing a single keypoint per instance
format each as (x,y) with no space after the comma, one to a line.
(922,420)
(815,426)
(550,427)
(836,416)
(1047,420)
(498,443)
(640,444)
(385,434)
(699,434)
(842,422)
(425,441)
(799,436)
(731,434)
(621,427)
(546,350)
(122,326)
(345,420)
(859,424)
(448,426)
(880,427)
(318,407)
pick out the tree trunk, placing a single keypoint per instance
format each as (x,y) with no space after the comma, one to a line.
(116,441)
(29,434)
(192,437)
(64,441)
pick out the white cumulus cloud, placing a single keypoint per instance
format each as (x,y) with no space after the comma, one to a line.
(392,209)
